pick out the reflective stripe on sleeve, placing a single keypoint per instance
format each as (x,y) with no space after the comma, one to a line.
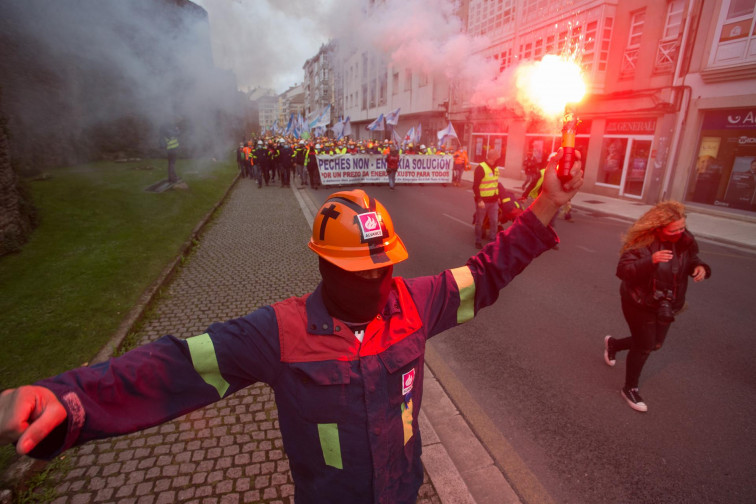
(329,443)
(206,363)
(466,285)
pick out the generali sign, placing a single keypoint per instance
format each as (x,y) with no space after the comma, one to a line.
(639,126)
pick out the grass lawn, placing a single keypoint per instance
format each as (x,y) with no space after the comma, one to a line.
(101,242)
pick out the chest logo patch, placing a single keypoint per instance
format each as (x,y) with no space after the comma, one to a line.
(408,381)
(370,225)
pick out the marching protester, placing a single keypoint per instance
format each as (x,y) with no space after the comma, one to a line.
(247,161)
(300,152)
(532,173)
(261,162)
(272,160)
(461,163)
(311,162)
(658,256)
(345,362)
(392,164)
(486,194)
(285,162)
(240,157)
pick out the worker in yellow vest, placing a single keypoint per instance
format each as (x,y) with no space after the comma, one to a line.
(486,192)
(170,141)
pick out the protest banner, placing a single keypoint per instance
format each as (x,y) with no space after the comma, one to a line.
(371,169)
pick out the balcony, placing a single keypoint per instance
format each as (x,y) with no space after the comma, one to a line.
(666,55)
(629,62)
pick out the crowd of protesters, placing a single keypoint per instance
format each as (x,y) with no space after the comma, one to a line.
(269,159)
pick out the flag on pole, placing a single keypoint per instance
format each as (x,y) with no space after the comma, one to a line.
(322,119)
(347,131)
(274,128)
(290,126)
(338,129)
(445,133)
(418,133)
(395,137)
(392,117)
(376,125)
(298,126)
(409,137)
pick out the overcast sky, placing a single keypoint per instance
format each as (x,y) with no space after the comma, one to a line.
(266,42)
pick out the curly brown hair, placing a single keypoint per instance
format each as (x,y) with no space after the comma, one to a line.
(643,231)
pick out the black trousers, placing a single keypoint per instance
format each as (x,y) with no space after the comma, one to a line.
(647,334)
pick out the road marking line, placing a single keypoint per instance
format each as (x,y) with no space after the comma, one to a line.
(458,220)
(309,215)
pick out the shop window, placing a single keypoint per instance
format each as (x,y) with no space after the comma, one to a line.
(483,143)
(725,171)
(612,160)
(543,145)
(741,187)
(637,168)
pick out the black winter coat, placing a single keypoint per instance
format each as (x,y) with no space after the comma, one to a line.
(637,272)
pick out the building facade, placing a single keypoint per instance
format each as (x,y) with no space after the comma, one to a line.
(267,109)
(670,111)
(715,165)
(291,102)
(320,82)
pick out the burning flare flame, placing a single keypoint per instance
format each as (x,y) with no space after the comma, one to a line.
(550,84)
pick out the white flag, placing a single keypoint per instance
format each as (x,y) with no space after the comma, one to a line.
(376,125)
(392,117)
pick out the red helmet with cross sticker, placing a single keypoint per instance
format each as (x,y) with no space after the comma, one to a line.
(355,232)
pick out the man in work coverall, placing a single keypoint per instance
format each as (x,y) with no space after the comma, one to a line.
(345,362)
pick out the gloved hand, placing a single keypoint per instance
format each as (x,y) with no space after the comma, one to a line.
(27,415)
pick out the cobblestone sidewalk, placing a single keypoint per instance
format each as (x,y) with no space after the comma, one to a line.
(251,254)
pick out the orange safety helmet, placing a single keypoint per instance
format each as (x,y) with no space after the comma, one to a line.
(355,232)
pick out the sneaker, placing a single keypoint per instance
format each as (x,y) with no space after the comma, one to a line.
(634,400)
(610,354)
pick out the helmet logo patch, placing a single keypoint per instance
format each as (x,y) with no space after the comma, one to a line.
(370,226)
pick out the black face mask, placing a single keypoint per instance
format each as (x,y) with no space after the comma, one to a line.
(353,298)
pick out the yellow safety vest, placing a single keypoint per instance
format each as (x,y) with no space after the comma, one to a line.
(489,185)
(171,143)
(537,189)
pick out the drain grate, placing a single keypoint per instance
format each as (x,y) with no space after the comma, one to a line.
(594,202)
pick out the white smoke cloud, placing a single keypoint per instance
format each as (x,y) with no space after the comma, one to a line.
(79,72)
(267,43)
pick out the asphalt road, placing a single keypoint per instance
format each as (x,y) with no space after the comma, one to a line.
(529,376)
